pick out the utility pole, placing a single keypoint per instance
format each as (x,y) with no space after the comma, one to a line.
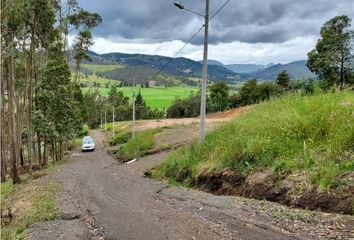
(105,119)
(205,67)
(133,130)
(204,76)
(113,122)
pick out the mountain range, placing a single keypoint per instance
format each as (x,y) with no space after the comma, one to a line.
(184,67)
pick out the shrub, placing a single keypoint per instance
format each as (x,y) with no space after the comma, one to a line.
(84,131)
(120,138)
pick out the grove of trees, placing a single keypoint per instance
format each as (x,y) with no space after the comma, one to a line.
(41,108)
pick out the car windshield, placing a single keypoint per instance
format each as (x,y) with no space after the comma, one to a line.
(87,141)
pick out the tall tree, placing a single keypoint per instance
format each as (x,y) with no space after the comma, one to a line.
(2,155)
(332,59)
(283,80)
(219,96)
(10,89)
(83,21)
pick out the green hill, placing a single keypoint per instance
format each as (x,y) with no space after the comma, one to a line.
(288,150)
(182,67)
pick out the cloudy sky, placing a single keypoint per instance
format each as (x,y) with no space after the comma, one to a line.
(245,31)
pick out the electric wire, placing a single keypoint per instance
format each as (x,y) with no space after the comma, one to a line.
(191,39)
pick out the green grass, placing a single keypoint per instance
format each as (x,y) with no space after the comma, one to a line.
(38,205)
(120,137)
(313,134)
(6,188)
(138,146)
(102,68)
(155,97)
(91,79)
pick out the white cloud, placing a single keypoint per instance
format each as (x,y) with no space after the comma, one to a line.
(227,53)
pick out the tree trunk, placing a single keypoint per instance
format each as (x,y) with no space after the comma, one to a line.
(45,157)
(39,150)
(30,93)
(10,89)
(342,81)
(2,125)
(53,151)
(3,158)
(60,150)
(21,157)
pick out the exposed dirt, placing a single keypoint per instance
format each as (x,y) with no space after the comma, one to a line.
(114,201)
(211,119)
(229,113)
(280,188)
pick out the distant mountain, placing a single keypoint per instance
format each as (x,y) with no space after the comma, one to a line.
(184,67)
(245,68)
(213,62)
(296,70)
(176,66)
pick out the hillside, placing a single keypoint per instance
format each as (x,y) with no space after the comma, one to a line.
(295,150)
(245,68)
(182,67)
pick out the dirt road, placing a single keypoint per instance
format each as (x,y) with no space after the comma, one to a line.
(101,199)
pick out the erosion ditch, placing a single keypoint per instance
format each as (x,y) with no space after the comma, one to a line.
(291,189)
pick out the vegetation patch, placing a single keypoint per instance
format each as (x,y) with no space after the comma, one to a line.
(138,146)
(28,204)
(310,134)
(120,138)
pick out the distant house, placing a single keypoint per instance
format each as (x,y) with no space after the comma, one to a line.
(187,70)
(152,83)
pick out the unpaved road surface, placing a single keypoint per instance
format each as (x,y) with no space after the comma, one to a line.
(101,199)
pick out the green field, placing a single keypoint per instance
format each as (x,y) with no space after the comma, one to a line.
(101,68)
(90,79)
(155,97)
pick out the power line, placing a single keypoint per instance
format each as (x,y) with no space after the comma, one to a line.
(174,25)
(185,45)
(218,10)
(191,39)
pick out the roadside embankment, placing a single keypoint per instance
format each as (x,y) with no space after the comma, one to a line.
(296,150)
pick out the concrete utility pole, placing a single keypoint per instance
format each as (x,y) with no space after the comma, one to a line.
(133,129)
(113,123)
(205,67)
(204,76)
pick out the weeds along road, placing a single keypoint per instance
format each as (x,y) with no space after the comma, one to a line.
(101,199)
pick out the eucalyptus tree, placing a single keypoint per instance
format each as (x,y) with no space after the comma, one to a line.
(12,25)
(83,21)
(41,19)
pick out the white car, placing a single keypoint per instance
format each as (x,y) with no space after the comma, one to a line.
(88,144)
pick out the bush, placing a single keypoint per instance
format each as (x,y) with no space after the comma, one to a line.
(138,146)
(84,131)
(120,138)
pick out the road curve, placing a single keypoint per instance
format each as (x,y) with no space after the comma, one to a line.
(115,202)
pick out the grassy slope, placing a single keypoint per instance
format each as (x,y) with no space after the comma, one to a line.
(32,202)
(138,146)
(101,68)
(315,134)
(155,97)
